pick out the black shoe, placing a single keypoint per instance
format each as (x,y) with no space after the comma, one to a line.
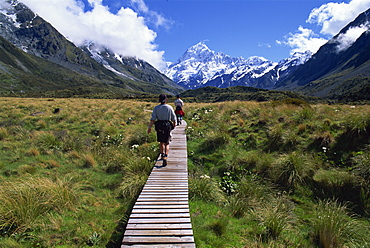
(162,157)
(164,160)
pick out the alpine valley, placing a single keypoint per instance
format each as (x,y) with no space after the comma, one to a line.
(36,60)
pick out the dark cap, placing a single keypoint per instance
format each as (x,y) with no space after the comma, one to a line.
(162,98)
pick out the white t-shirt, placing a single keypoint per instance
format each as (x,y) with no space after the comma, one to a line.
(179,102)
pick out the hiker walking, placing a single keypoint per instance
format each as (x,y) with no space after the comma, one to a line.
(163,117)
(179,112)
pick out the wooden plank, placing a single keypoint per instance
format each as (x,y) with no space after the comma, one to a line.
(160,215)
(182,194)
(183,245)
(164,187)
(177,206)
(158,226)
(161,210)
(164,203)
(161,199)
(148,190)
(159,220)
(167,232)
(157,239)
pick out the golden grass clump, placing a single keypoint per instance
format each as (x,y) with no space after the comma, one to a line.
(28,200)
(50,164)
(33,151)
(334,227)
(89,161)
(3,133)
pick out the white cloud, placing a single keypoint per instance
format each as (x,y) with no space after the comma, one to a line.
(331,17)
(304,39)
(347,39)
(334,16)
(125,32)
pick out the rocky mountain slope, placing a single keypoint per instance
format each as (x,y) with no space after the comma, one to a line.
(33,35)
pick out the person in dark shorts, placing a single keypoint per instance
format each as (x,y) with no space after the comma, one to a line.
(163,117)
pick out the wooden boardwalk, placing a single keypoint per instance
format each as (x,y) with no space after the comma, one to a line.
(160,217)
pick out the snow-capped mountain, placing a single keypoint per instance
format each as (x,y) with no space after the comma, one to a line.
(199,66)
(28,31)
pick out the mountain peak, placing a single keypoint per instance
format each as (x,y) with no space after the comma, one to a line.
(200,46)
(198,51)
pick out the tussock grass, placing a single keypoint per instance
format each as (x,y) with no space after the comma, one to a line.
(205,188)
(283,157)
(289,170)
(132,185)
(275,217)
(3,133)
(33,152)
(89,161)
(333,227)
(27,201)
(88,141)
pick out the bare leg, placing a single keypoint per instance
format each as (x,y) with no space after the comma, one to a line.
(164,148)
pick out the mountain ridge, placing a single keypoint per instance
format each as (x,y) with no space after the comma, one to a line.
(334,74)
(33,35)
(338,70)
(199,66)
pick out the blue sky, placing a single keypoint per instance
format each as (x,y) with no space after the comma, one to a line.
(237,28)
(162,30)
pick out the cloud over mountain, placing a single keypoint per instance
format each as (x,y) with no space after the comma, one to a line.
(331,17)
(126,32)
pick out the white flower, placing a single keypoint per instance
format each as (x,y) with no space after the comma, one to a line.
(134,146)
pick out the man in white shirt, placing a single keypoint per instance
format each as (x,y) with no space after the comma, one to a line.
(163,117)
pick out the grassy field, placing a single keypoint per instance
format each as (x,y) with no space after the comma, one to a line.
(272,174)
